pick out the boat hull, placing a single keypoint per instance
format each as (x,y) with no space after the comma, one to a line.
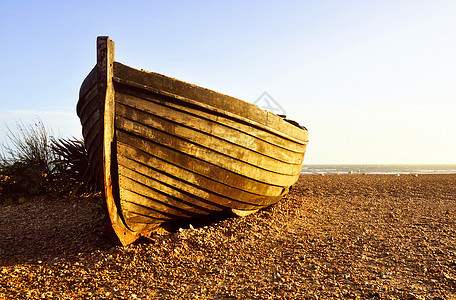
(166,150)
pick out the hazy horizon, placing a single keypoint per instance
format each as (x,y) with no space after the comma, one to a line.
(372,81)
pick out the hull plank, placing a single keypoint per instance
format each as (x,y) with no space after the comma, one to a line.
(166,150)
(159,196)
(139,199)
(222,128)
(192,107)
(242,162)
(186,201)
(92,101)
(203,97)
(206,188)
(221,144)
(231,177)
(91,127)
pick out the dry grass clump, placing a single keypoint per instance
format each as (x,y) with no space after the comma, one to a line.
(34,163)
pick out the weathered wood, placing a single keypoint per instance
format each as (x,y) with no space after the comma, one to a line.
(219,125)
(165,149)
(227,104)
(186,201)
(224,141)
(240,161)
(89,112)
(143,223)
(243,213)
(105,61)
(91,101)
(89,83)
(164,202)
(206,188)
(237,176)
(148,206)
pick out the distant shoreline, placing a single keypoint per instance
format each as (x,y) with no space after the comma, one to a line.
(334,169)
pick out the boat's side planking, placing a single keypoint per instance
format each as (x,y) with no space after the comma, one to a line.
(165,149)
(176,155)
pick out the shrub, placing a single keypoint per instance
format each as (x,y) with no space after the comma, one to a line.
(30,146)
(20,179)
(73,165)
(36,163)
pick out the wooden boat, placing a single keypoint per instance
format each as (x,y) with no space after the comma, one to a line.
(166,150)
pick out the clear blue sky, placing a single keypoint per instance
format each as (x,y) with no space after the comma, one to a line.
(373,81)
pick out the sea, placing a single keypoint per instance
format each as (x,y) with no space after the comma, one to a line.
(377,169)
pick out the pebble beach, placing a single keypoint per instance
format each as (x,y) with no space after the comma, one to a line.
(333,237)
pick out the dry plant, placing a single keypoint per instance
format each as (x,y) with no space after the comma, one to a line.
(73,165)
(29,146)
(33,162)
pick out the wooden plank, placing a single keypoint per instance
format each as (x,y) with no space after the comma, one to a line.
(91,102)
(91,117)
(89,111)
(93,138)
(186,201)
(262,142)
(105,61)
(193,156)
(141,223)
(94,144)
(237,175)
(202,201)
(216,194)
(90,123)
(160,194)
(89,82)
(95,160)
(136,200)
(253,195)
(202,146)
(91,127)
(210,114)
(212,136)
(205,96)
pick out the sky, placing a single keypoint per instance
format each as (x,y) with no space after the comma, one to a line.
(373,81)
